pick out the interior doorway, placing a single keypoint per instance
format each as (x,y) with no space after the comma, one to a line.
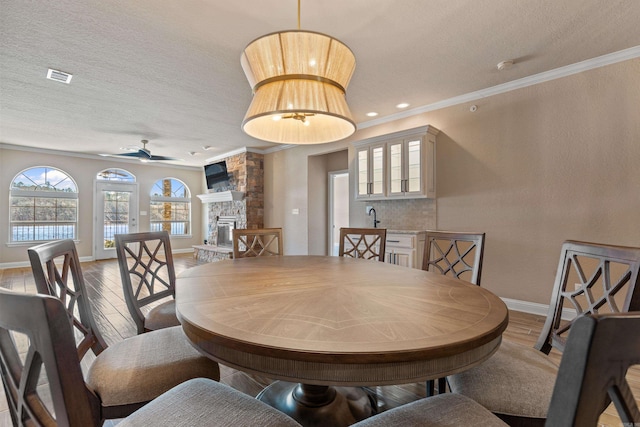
(338,207)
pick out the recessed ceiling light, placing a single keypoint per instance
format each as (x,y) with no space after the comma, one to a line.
(192,153)
(402,105)
(372,114)
(207,147)
(59,76)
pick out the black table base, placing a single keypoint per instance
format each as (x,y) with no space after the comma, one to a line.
(316,405)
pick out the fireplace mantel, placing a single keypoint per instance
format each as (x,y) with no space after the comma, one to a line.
(221,196)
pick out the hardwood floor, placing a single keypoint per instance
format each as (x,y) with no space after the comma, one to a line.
(103,280)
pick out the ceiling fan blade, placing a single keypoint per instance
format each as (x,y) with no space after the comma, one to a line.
(135,155)
(161,158)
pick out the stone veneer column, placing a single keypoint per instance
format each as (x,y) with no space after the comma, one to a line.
(247,170)
(254,193)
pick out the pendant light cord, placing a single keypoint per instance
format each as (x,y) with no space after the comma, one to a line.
(298,14)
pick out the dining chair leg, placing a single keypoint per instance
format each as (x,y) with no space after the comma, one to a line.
(442,385)
(431,388)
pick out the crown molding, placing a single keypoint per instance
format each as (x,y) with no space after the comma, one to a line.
(578,67)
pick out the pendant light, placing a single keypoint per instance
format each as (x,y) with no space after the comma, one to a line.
(299,80)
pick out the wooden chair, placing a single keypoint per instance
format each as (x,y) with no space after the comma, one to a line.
(454,254)
(148,276)
(367,243)
(592,374)
(129,373)
(516,383)
(35,333)
(257,242)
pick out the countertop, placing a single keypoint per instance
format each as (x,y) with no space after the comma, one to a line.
(413,232)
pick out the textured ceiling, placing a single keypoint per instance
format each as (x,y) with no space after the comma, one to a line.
(169,71)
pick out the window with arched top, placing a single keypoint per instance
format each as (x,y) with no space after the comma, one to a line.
(170,208)
(43,205)
(115,174)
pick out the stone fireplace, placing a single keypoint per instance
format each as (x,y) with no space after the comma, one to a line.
(246,175)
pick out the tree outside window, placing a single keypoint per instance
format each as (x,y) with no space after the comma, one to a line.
(170,208)
(43,205)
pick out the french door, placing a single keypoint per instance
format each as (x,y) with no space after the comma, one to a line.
(116,212)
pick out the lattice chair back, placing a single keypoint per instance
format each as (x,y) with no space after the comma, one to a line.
(56,270)
(35,333)
(593,371)
(148,275)
(591,279)
(257,242)
(454,254)
(367,243)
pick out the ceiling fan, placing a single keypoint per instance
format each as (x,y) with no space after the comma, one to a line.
(143,154)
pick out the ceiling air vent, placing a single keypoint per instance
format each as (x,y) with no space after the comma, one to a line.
(59,76)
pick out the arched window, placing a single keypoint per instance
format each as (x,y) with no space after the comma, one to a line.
(116,175)
(43,205)
(170,208)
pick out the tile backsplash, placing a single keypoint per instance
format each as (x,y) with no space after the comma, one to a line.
(401,214)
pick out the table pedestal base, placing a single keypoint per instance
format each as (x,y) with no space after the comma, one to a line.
(316,405)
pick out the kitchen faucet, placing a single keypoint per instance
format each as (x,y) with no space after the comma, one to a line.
(375,220)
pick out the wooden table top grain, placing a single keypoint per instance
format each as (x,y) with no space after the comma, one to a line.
(333,320)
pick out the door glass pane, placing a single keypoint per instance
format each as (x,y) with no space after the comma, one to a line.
(363,172)
(377,167)
(395,167)
(116,215)
(414,165)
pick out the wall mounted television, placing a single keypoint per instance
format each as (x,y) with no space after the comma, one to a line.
(217,176)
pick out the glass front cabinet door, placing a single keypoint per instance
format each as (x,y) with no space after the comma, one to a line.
(370,162)
(406,167)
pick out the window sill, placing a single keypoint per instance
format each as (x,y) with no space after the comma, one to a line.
(31,243)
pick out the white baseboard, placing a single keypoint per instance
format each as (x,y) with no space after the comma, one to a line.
(20,264)
(536,308)
(182,251)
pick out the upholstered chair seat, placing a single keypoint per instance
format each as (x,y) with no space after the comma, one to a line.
(201,402)
(162,316)
(444,410)
(145,366)
(497,383)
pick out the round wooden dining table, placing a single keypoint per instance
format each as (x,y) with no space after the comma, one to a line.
(321,323)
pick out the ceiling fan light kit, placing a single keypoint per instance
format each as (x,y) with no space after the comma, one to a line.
(299,80)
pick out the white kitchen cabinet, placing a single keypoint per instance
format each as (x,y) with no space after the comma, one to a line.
(405,248)
(371,164)
(401,165)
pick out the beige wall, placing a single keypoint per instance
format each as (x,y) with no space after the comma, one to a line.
(531,168)
(290,183)
(83,171)
(318,184)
